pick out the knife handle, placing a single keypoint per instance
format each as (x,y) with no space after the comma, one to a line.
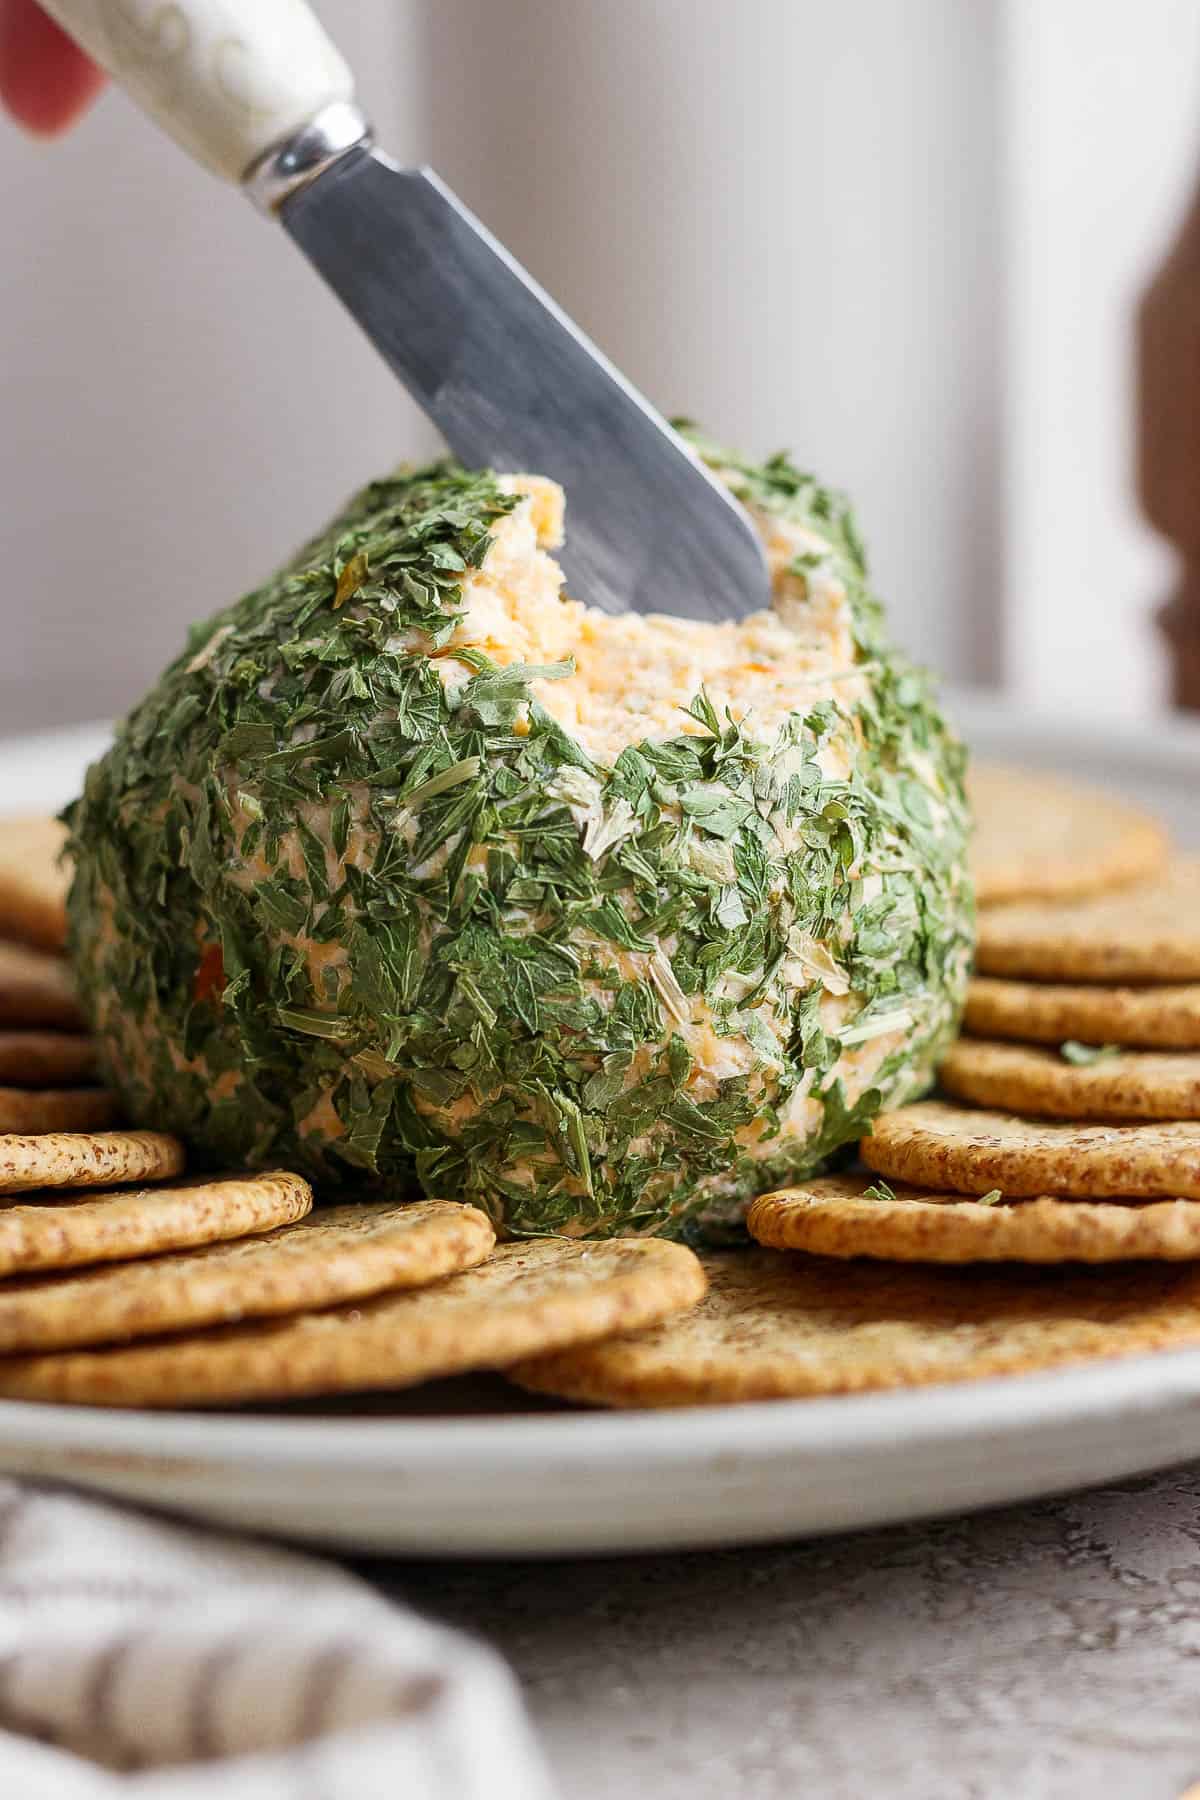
(228,79)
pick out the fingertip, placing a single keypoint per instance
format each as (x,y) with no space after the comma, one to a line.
(46,80)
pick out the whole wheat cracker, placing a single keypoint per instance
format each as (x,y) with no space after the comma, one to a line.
(36,989)
(45,1058)
(1040,837)
(526,1297)
(33,882)
(67,1231)
(1026,1078)
(971,1150)
(86,1159)
(57,1109)
(835,1215)
(1165,1017)
(776,1325)
(338,1254)
(1147,933)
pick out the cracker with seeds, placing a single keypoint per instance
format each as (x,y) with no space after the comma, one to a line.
(45,1058)
(86,1159)
(1149,933)
(33,882)
(1025,1078)
(338,1254)
(66,1231)
(57,1109)
(36,989)
(848,1215)
(528,1297)
(1037,837)
(775,1325)
(1146,1018)
(971,1151)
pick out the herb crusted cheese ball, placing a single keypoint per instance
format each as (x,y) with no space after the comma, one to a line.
(412,868)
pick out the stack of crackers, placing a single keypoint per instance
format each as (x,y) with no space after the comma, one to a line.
(1046,1211)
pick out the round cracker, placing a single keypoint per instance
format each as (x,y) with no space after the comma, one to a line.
(86,1159)
(776,1326)
(36,989)
(1153,1018)
(834,1216)
(57,1109)
(1136,1084)
(66,1231)
(971,1151)
(1040,838)
(33,882)
(526,1298)
(340,1253)
(45,1058)
(1149,933)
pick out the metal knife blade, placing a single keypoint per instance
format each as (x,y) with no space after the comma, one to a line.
(513,384)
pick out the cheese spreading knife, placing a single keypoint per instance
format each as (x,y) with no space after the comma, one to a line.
(255,90)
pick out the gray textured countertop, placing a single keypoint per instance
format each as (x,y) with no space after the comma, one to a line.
(1038,1653)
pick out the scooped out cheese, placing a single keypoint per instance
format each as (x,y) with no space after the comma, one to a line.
(635,675)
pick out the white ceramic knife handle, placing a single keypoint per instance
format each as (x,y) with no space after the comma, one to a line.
(226,78)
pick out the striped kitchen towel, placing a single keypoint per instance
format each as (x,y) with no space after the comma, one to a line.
(145,1660)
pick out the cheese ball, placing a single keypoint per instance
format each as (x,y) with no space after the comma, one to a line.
(413,871)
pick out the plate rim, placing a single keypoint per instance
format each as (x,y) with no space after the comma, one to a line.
(827,1426)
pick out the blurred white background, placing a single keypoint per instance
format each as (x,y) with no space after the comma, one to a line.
(904,240)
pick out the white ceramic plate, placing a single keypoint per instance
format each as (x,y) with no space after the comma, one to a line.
(438,1475)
